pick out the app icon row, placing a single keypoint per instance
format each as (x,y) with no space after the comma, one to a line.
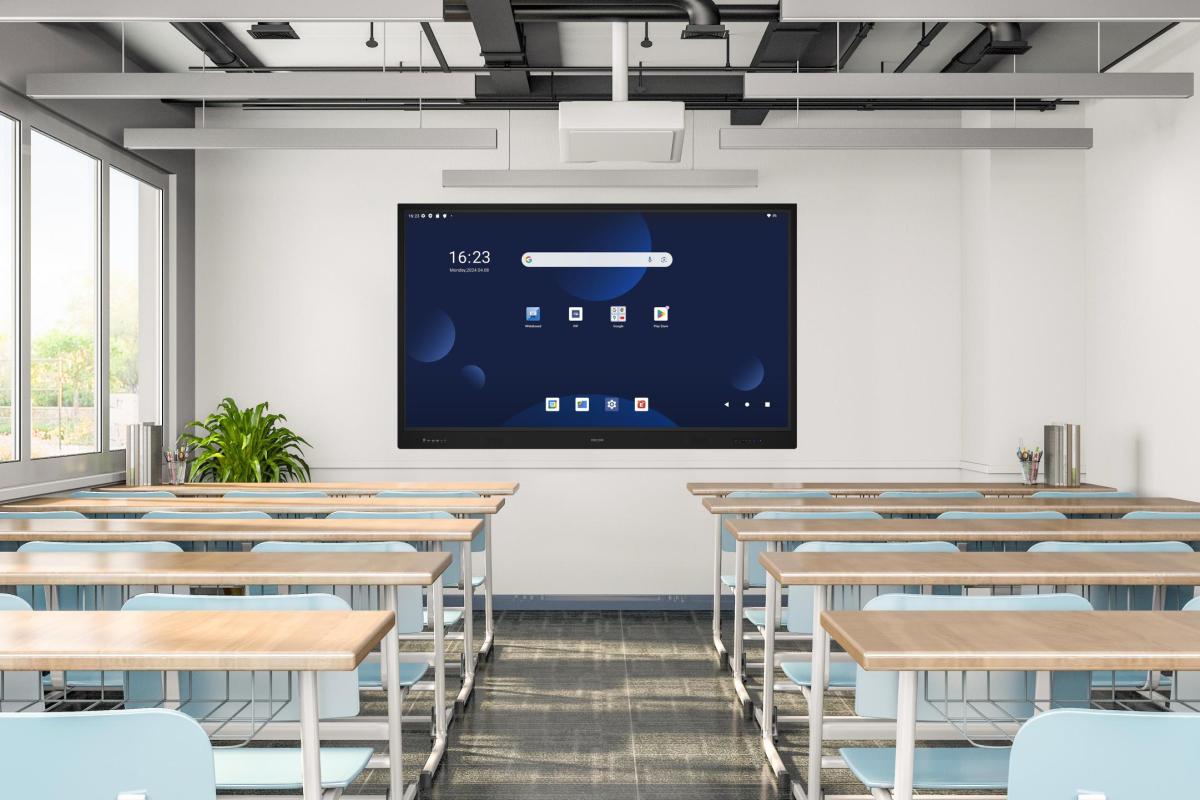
(615,314)
(611,404)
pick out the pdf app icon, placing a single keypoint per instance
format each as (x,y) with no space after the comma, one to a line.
(641,404)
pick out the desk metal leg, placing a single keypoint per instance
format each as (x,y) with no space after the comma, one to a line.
(439,686)
(468,649)
(816,692)
(489,625)
(395,709)
(716,620)
(768,694)
(906,735)
(310,736)
(739,647)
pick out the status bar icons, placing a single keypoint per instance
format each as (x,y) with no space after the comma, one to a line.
(641,404)
(662,313)
(552,404)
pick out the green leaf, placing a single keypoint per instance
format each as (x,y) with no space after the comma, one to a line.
(248,445)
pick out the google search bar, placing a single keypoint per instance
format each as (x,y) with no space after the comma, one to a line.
(596,259)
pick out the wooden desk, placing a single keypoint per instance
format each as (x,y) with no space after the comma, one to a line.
(934,640)
(824,571)
(271,505)
(194,640)
(909,505)
(870,489)
(332,488)
(443,531)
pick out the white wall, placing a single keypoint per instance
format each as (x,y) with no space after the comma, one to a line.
(1143,207)
(296,304)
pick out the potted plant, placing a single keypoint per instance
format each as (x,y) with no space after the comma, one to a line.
(245,446)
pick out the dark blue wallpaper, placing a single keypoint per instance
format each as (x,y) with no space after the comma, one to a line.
(478,355)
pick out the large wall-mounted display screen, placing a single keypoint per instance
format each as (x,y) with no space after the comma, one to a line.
(597,326)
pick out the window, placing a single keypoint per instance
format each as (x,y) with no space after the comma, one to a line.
(9,253)
(64,266)
(134,308)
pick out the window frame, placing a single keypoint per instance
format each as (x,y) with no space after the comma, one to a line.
(25,475)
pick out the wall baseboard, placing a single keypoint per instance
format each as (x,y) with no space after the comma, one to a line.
(609,602)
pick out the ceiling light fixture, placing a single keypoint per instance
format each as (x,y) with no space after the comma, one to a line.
(599,178)
(311,138)
(960,85)
(743,138)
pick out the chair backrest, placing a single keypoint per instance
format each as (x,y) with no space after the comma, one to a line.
(1068,754)
(86,598)
(206,515)
(1163,515)
(1124,598)
(246,494)
(796,494)
(409,613)
(1056,495)
(242,696)
(453,575)
(1002,515)
(132,494)
(147,753)
(22,691)
(851,598)
(1185,686)
(477,544)
(755,574)
(948,494)
(971,695)
(41,515)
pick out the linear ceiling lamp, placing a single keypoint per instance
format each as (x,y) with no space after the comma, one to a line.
(241,86)
(310,138)
(972,10)
(598,178)
(744,138)
(220,10)
(983,85)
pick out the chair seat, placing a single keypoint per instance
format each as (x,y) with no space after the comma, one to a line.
(370,673)
(262,768)
(476,581)
(758,616)
(934,768)
(841,673)
(450,616)
(728,581)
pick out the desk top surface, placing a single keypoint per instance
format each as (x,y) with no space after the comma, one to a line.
(279,505)
(222,568)
(1001,569)
(189,640)
(913,505)
(239,530)
(989,488)
(485,488)
(1011,640)
(964,530)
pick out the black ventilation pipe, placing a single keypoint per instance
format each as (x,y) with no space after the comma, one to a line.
(207,42)
(996,38)
(696,12)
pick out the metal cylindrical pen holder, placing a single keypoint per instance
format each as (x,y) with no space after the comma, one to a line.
(143,454)
(1064,455)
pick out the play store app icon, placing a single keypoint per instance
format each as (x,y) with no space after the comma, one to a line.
(662,313)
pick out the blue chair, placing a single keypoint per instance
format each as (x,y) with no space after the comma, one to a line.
(979,547)
(22,690)
(957,696)
(201,515)
(1067,754)
(451,577)
(1162,515)
(852,598)
(8,547)
(1186,685)
(410,616)
(756,575)
(246,696)
(88,494)
(1056,495)
(933,495)
(94,755)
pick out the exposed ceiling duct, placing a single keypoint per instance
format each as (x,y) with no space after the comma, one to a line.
(996,39)
(217,43)
(698,13)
